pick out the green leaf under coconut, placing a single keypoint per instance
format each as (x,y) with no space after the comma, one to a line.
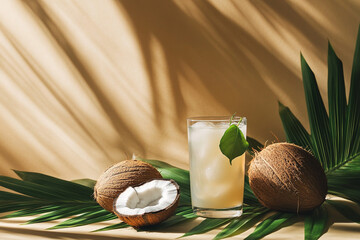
(63,212)
(181,215)
(42,194)
(31,212)
(344,180)
(86,219)
(249,197)
(30,189)
(8,197)
(58,186)
(316,223)
(90,183)
(254,145)
(240,224)
(112,227)
(345,209)
(233,143)
(271,224)
(207,225)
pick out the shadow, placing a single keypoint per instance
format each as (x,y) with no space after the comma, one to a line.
(221,58)
(215,55)
(44,78)
(126,136)
(347,229)
(63,235)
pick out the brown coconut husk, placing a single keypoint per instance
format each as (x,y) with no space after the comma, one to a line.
(286,177)
(116,179)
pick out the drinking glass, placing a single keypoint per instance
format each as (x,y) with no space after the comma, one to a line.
(217,187)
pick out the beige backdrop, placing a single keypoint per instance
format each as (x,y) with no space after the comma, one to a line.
(84,84)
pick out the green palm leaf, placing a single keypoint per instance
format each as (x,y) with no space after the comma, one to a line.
(63,212)
(346,210)
(58,186)
(240,224)
(318,118)
(344,180)
(30,189)
(353,110)
(112,227)
(271,224)
(254,145)
(316,223)
(294,131)
(207,225)
(100,215)
(31,212)
(182,214)
(49,197)
(249,197)
(335,139)
(337,105)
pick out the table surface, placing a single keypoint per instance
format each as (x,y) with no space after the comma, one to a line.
(14,229)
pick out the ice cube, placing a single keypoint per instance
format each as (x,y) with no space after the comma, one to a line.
(203,125)
(217,170)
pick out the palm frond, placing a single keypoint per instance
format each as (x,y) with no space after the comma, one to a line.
(241,224)
(346,210)
(353,110)
(316,223)
(318,118)
(294,131)
(112,227)
(87,218)
(344,180)
(207,225)
(48,197)
(335,138)
(271,224)
(337,106)
(254,145)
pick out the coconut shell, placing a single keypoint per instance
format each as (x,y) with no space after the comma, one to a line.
(151,218)
(288,178)
(116,179)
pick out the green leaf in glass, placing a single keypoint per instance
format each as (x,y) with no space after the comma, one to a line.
(233,143)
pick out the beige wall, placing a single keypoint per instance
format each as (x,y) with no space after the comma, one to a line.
(84,84)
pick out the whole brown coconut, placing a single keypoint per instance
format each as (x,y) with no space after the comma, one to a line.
(116,179)
(286,177)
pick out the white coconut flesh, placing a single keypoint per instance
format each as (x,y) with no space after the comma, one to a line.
(152,196)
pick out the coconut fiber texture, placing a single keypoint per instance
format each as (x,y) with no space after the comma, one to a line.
(116,179)
(286,177)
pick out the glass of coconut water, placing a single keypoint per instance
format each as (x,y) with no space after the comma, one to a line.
(217,187)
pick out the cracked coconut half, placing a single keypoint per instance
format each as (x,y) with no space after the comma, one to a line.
(136,193)
(147,204)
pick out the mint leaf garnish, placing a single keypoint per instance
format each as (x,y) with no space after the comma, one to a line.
(233,143)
